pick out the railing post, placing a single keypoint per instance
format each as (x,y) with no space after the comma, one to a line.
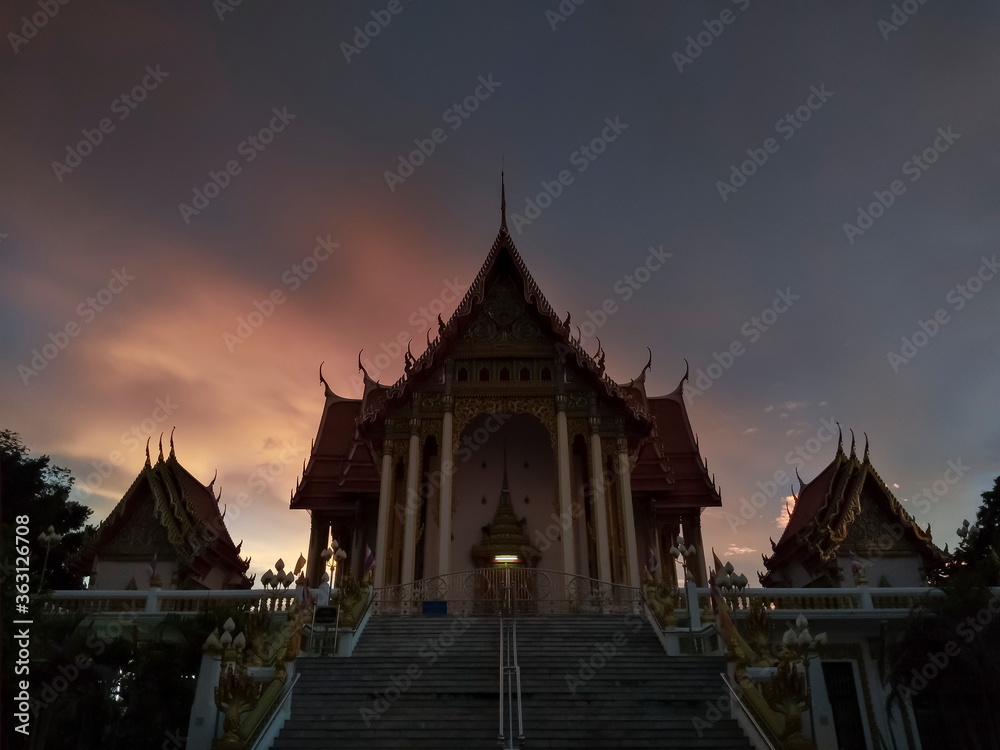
(152,601)
(866,597)
(691,593)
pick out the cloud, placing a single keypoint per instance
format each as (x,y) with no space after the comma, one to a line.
(732,549)
(750,431)
(787,507)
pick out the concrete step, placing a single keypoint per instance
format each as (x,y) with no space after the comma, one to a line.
(432,682)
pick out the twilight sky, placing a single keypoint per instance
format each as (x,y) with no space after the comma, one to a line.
(248,157)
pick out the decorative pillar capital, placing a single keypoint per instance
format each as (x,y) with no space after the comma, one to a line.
(561,402)
(415,425)
(622,443)
(595,425)
(448,402)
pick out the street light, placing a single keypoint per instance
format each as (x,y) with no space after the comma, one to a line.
(335,554)
(679,552)
(49,538)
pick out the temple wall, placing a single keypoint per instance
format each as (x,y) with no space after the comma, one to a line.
(901,570)
(114,575)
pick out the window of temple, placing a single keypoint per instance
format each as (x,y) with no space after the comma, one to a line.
(525,374)
(484,375)
(463,374)
(546,373)
(504,373)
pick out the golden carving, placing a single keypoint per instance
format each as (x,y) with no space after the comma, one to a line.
(468,408)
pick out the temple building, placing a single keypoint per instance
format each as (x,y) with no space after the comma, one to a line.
(506,418)
(848,527)
(166,532)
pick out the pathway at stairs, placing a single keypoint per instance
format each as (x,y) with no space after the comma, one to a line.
(432,682)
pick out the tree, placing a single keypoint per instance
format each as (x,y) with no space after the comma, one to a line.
(946,660)
(30,486)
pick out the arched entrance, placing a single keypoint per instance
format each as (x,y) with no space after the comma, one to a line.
(489,522)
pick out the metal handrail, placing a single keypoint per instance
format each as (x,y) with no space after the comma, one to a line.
(510,670)
(260,731)
(764,734)
(479,591)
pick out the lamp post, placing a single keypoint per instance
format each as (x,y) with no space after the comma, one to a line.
(49,538)
(680,552)
(335,555)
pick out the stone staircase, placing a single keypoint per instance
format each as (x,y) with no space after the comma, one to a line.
(431,682)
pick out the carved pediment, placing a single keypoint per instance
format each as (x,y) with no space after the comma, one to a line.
(504,320)
(141,534)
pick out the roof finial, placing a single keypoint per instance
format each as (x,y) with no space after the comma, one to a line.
(172,441)
(866,446)
(840,439)
(853,453)
(147,449)
(503,198)
(326,386)
(161,446)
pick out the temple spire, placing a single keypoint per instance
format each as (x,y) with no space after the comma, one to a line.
(506,486)
(503,201)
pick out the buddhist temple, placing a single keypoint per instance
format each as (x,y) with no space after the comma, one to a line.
(605,476)
(845,515)
(166,532)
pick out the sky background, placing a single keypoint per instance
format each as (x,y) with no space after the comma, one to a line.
(250,408)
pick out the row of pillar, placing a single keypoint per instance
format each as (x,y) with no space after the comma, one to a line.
(598,487)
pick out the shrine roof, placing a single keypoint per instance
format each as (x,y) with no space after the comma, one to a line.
(826,507)
(188,511)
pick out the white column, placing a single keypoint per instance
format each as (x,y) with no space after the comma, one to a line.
(600,504)
(565,489)
(447,474)
(384,499)
(204,719)
(625,480)
(412,503)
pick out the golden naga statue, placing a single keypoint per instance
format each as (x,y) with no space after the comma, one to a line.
(243,698)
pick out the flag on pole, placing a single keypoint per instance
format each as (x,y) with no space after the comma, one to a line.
(652,562)
(369,558)
(299,564)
